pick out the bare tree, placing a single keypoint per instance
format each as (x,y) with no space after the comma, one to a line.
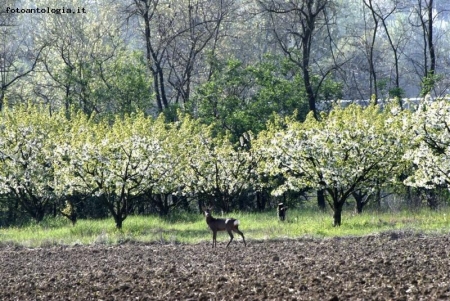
(177,34)
(18,56)
(297,27)
(74,61)
(380,15)
(370,45)
(200,32)
(423,17)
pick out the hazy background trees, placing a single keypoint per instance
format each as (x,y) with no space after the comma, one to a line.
(18,55)
(154,55)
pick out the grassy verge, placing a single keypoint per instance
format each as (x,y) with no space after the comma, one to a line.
(193,229)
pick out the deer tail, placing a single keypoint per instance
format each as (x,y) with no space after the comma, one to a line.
(236,222)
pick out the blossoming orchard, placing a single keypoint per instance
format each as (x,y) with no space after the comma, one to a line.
(58,162)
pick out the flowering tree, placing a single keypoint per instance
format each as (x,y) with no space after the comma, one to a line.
(213,167)
(116,163)
(430,151)
(26,162)
(347,150)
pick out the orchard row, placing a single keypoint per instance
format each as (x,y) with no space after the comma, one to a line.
(57,160)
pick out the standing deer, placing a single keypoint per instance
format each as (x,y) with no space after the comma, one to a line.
(222,224)
(282,211)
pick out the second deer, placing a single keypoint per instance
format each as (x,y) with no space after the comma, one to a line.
(221,224)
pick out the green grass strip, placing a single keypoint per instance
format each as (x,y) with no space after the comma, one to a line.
(192,228)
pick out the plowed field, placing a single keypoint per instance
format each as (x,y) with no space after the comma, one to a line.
(390,266)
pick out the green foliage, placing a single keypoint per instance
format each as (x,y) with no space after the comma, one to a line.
(429,82)
(125,86)
(243,98)
(329,89)
(396,93)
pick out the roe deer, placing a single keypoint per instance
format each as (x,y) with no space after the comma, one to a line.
(222,224)
(282,211)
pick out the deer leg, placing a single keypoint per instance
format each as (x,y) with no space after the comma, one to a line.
(241,234)
(214,239)
(231,237)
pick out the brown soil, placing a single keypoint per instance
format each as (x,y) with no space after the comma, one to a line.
(390,266)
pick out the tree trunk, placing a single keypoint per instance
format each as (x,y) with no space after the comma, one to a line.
(34,206)
(373,74)
(361,199)
(39,215)
(337,215)
(2,96)
(430,37)
(432,200)
(261,200)
(119,221)
(321,199)
(11,216)
(378,198)
(162,204)
(152,61)
(359,204)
